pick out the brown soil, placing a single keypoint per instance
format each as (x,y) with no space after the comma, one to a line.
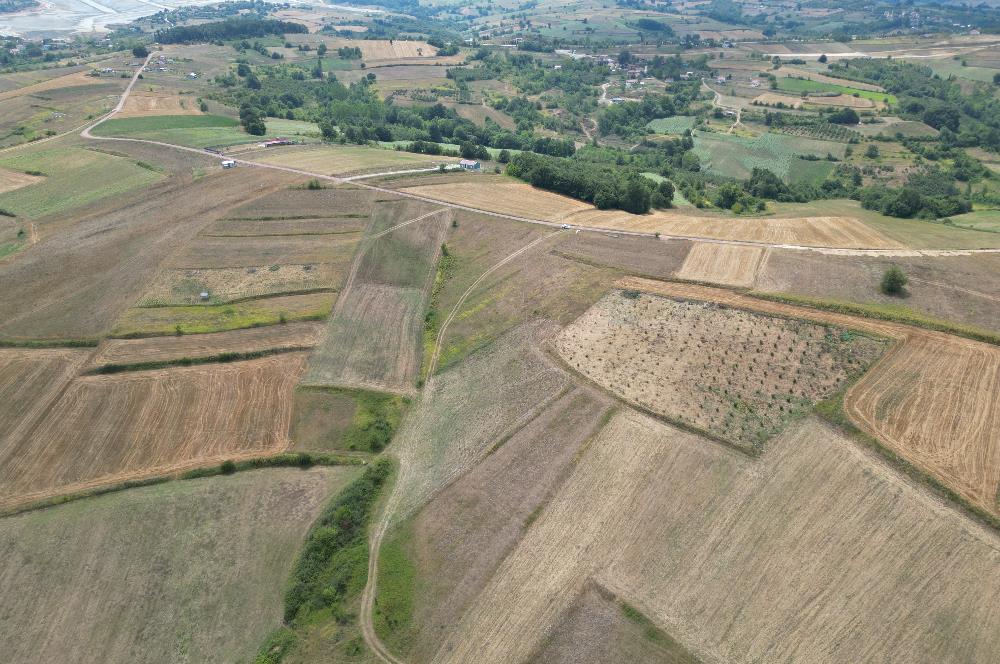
(60,83)
(251,340)
(221,252)
(185,286)
(730,265)
(106,429)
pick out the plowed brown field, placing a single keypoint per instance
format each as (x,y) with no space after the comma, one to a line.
(105,429)
(732,265)
(254,339)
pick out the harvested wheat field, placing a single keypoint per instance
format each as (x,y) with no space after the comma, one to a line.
(11,180)
(141,103)
(342,202)
(353,225)
(839,232)
(373,341)
(935,401)
(577,534)
(498,194)
(292,336)
(374,338)
(466,530)
(344,160)
(777,560)
(737,375)
(470,407)
(728,264)
(30,380)
(191,571)
(636,255)
(105,429)
(252,251)
(742,560)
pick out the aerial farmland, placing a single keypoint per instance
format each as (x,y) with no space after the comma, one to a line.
(553,332)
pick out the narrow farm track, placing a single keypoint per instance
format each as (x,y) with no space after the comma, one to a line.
(87,133)
(375,540)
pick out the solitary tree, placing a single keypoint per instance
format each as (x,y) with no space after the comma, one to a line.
(894,281)
(140,51)
(822,58)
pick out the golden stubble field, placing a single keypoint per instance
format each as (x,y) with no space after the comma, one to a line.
(106,429)
(742,560)
(932,399)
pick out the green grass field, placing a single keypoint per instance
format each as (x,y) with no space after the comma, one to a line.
(74,177)
(202,131)
(736,156)
(791,84)
(675,125)
(947,68)
(980,220)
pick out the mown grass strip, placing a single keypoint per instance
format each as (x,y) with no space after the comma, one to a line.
(886,312)
(285,460)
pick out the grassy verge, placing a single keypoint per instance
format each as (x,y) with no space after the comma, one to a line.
(329,576)
(888,312)
(396,584)
(677,653)
(831,410)
(433,317)
(47,343)
(191,361)
(299,460)
(353,420)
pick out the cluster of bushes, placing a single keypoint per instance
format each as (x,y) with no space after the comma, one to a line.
(909,202)
(605,187)
(232,28)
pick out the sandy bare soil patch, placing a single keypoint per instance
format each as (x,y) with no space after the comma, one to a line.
(463,534)
(29,381)
(191,571)
(936,401)
(104,429)
(467,409)
(773,98)
(731,265)
(503,195)
(251,340)
(143,102)
(11,180)
(78,279)
(738,375)
(841,232)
